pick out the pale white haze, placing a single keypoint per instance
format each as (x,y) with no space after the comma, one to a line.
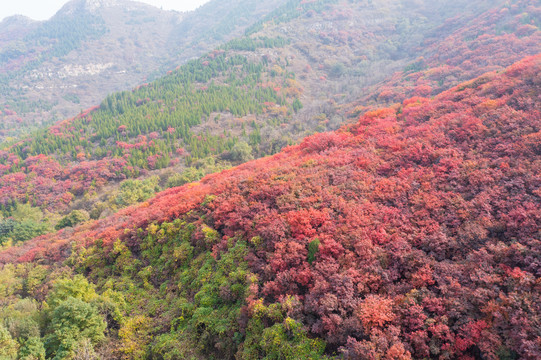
(44,9)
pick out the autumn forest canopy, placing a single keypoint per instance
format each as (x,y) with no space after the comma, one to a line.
(321,186)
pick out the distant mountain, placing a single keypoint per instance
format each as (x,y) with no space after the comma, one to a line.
(51,70)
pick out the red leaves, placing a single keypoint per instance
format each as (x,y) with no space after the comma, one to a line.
(471,335)
(304,223)
(463,54)
(464,128)
(423,277)
(127,146)
(375,311)
(287,255)
(326,141)
(49,183)
(330,248)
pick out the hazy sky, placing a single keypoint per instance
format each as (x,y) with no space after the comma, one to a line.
(44,9)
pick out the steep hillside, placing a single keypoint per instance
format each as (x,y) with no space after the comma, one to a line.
(188,119)
(413,233)
(52,70)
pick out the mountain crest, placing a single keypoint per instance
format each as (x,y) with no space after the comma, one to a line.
(75,6)
(16,20)
(96,4)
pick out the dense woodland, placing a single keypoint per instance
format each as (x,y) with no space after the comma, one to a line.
(410,234)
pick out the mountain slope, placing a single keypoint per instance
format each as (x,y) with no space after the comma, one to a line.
(410,234)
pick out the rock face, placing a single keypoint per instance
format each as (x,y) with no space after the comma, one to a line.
(88,5)
(96,6)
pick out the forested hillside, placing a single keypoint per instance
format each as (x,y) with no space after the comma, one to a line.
(132,134)
(412,233)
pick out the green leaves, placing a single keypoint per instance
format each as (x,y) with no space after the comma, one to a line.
(32,349)
(289,340)
(134,191)
(241,152)
(313,248)
(24,222)
(73,321)
(75,324)
(8,346)
(272,335)
(75,217)
(77,288)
